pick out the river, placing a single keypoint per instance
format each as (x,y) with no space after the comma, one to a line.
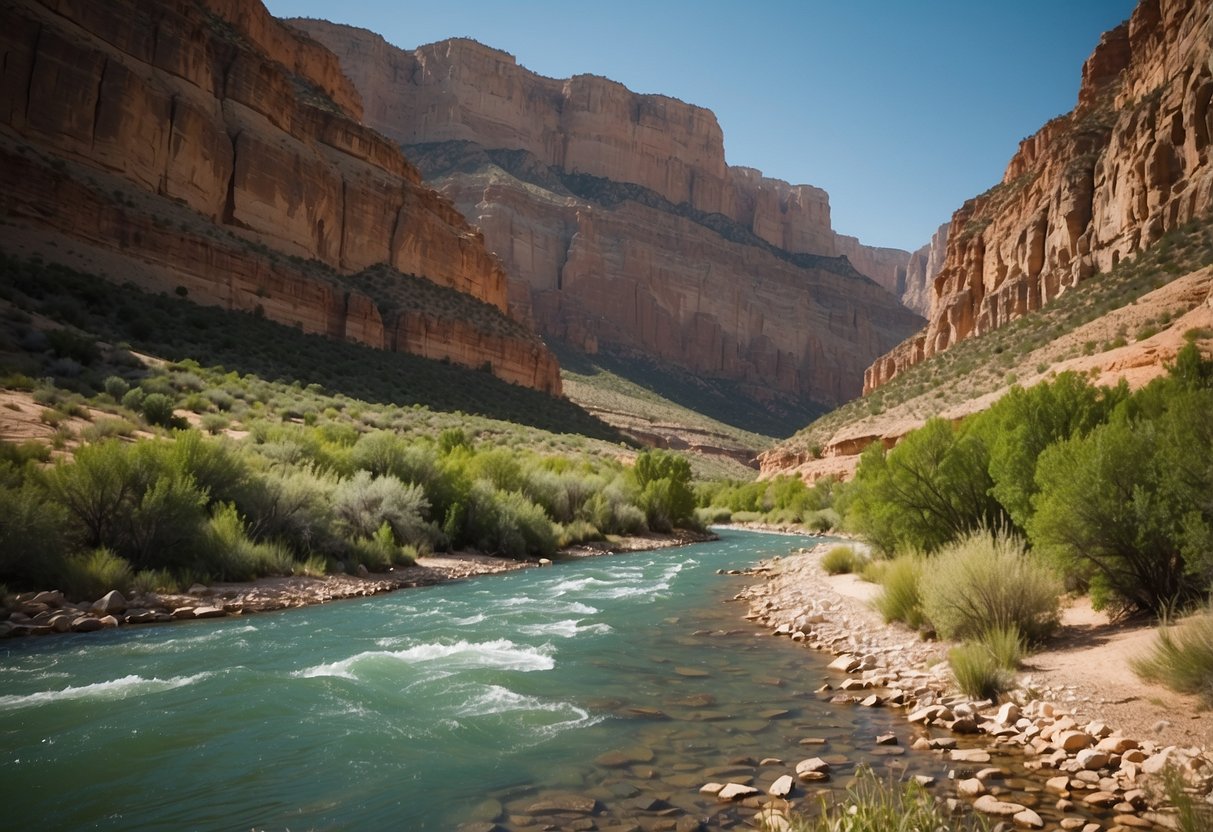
(625,682)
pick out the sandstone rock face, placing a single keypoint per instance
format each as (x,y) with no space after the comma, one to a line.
(208,146)
(622,227)
(1128,165)
(923,267)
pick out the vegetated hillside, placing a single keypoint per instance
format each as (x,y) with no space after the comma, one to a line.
(1128,323)
(623,229)
(201,146)
(1129,165)
(146,466)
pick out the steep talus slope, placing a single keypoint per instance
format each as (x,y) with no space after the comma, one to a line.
(622,227)
(1091,188)
(202,147)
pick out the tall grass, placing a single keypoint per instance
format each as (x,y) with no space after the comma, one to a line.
(873,805)
(977,671)
(900,598)
(841,560)
(987,581)
(1182,657)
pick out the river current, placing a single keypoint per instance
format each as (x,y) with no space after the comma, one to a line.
(626,680)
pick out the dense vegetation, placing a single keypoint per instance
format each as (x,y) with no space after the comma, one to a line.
(156,474)
(1111,488)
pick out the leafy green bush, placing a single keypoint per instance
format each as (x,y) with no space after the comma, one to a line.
(131,499)
(932,487)
(116,387)
(32,544)
(157,408)
(977,672)
(1182,657)
(363,504)
(575,532)
(986,581)
(232,556)
(506,523)
(664,480)
(840,560)
(899,598)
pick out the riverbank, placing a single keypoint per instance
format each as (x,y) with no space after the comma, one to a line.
(1089,731)
(49,612)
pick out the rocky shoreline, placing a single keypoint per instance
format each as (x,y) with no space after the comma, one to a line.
(1081,774)
(50,612)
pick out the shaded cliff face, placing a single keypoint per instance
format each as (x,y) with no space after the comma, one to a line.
(1128,165)
(620,224)
(202,146)
(923,266)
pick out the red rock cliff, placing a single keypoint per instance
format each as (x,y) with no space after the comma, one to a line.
(1128,165)
(622,223)
(203,144)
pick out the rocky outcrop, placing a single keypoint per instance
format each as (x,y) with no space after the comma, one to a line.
(620,223)
(1127,166)
(202,144)
(887,266)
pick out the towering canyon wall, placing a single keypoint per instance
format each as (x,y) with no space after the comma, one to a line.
(923,267)
(624,226)
(202,144)
(1129,164)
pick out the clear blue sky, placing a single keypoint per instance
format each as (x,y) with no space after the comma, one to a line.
(900,109)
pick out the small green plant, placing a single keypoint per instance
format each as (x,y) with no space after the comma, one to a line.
(1182,657)
(92,575)
(840,560)
(977,672)
(900,598)
(1005,645)
(874,805)
(1191,814)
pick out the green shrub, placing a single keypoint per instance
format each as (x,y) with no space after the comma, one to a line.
(840,560)
(231,556)
(1182,657)
(872,805)
(32,544)
(1005,645)
(90,576)
(575,532)
(157,409)
(825,520)
(977,672)
(899,598)
(713,515)
(987,581)
(155,580)
(116,387)
(133,399)
(363,504)
(506,523)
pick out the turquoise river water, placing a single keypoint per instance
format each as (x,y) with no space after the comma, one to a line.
(623,680)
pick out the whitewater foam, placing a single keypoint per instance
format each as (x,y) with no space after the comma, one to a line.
(460,655)
(122,688)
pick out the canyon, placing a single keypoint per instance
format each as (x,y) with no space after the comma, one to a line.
(206,149)
(622,228)
(1127,167)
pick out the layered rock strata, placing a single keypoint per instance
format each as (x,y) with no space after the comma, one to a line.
(621,225)
(1128,165)
(202,144)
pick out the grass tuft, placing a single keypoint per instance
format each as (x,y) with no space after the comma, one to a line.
(900,599)
(873,805)
(1182,657)
(841,560)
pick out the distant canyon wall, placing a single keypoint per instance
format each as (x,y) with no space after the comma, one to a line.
(1128,165)
(621,225)
(203,144)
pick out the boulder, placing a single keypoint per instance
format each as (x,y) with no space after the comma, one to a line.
(112,603)
(87,624)
(1028,819)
